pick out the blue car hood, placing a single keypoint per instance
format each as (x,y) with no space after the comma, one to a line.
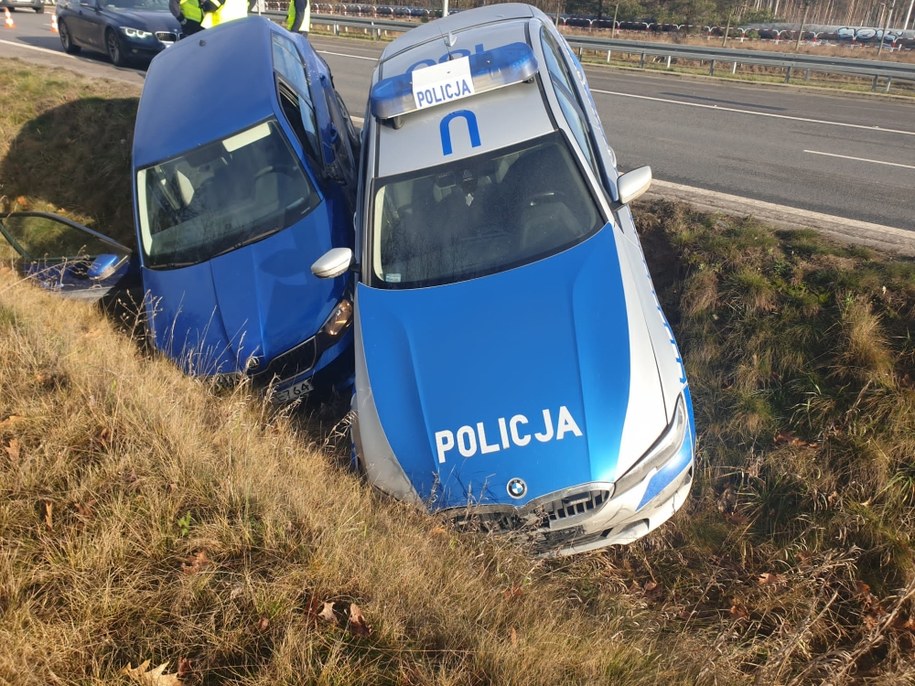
(261,300)
(521,374)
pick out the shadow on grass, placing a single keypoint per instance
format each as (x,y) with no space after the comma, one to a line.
(75,158)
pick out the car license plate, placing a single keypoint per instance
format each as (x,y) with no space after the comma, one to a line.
(293,392)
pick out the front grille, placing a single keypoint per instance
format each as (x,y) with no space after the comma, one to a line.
(574,505)
(543,517)
(290,363)
(167,36)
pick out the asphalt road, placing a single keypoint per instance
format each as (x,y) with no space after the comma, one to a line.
(848,156)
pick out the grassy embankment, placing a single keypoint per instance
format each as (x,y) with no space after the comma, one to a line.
(145,515)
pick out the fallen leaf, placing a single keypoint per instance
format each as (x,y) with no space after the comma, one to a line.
(196,563)
(357,624)
(327,613)
(513,592)
(263,624)
(185,667)
(770,579)
(48,514)
(649,586)
(152,677)
(739,610)
(84,510)
(11,421)
(13,450)
(514,637)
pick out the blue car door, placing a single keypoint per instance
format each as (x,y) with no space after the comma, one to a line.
(65,257)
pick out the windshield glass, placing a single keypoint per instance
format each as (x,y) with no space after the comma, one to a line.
(480,215)
(156,5)
(221,196)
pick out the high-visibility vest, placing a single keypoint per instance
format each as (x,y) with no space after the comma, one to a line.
(191,10)
(228,10)
(290,17)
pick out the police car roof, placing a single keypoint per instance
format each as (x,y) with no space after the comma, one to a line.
(453,23)
(205,87)
(471,125)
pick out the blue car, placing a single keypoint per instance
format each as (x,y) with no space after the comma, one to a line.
(244,174)
(125,30)
(513,366)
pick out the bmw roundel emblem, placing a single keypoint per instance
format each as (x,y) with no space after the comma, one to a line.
(516,488)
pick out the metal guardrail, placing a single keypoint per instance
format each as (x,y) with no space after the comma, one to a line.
(874,69)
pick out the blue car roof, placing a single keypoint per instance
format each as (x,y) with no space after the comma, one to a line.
(205,87)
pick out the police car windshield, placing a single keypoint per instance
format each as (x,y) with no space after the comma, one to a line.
(480,215)
(221,196)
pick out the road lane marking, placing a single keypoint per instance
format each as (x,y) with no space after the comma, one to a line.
(343,54)
(719,108)
(861,159)
(35,47)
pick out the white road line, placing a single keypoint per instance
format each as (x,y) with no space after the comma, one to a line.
(861,159)
(35,47)
(753,112)
(343,54)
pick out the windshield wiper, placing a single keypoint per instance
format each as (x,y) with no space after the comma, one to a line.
(248,241)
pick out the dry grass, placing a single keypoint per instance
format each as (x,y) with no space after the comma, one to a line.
(146,515)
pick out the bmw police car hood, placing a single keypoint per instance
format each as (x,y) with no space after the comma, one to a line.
(525,374)
(147,20)
(258,300)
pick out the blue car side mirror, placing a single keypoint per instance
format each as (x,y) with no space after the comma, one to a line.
(104,266)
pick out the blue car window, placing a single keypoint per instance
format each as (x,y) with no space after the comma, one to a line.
(289,66)
(221,196)
(480,215)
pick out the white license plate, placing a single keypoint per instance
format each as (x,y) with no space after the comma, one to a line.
(295,391)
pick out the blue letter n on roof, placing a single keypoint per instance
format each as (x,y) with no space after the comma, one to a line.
(472,129)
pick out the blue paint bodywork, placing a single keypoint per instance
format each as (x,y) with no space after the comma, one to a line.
(448,356)
(259,300)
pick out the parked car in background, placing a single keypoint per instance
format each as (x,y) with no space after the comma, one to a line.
(125,30)
(240,184)
(37,5)
(513,365)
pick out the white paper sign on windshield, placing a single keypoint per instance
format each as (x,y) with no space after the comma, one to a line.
(442,83)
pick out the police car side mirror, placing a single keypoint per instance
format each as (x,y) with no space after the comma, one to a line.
(335,262)
(633,184)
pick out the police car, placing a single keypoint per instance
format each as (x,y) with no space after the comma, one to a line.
(244,173)
(513,365)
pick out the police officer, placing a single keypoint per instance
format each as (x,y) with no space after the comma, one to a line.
(188,14)
(298,17)
(220,11)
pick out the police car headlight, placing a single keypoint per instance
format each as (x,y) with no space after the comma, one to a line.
(666,447)
(137,34)
(339,320)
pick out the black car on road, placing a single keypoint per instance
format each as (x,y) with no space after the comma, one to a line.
(125,30)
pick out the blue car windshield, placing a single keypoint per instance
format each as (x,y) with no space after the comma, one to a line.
(220,197)
(480,215)
(153,5)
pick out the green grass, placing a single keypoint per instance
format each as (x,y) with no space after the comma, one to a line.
(147,515)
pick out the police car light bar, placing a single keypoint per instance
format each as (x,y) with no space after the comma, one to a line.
(453,80)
